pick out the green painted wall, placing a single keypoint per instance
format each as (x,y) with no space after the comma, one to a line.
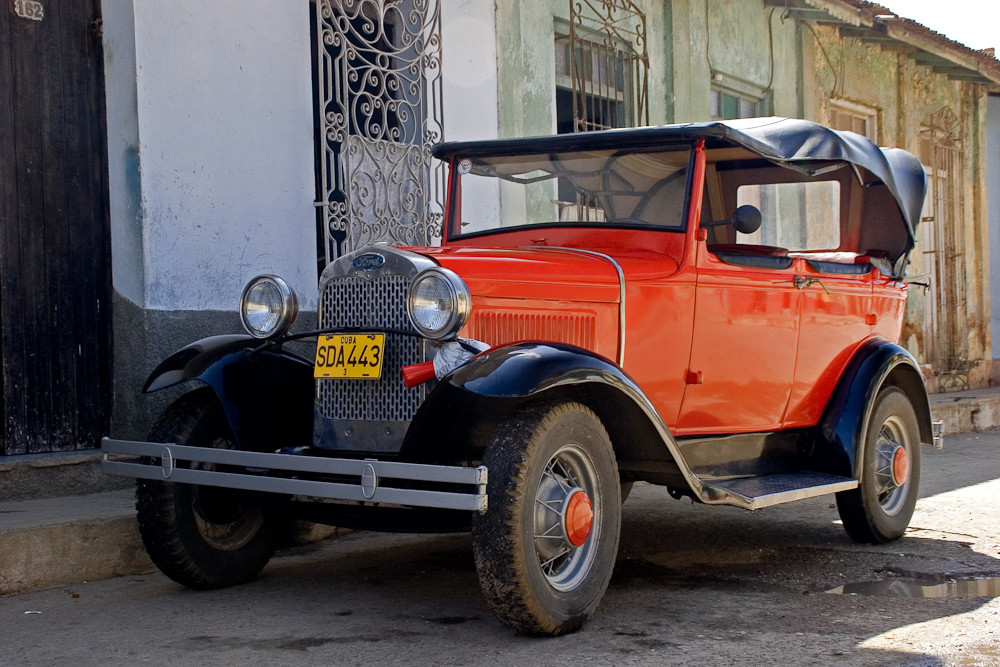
(526,63)
(905,95)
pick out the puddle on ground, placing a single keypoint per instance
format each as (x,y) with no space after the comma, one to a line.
(904,588)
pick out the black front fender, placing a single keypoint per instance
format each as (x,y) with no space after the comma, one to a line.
(458,417)
(878,364)
(265,392)
(527,369)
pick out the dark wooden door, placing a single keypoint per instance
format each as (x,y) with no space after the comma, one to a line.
(54,239)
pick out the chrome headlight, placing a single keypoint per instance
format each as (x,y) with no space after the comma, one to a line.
(438,303)
(268,306)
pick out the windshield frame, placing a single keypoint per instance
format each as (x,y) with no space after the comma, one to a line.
(451,229)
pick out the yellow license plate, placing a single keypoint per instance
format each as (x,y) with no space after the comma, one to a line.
(354,356)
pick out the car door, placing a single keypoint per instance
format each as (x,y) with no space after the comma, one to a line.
(836,319)
(746,326)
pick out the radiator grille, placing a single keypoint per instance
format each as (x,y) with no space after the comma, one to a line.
(378,304)
(497,328)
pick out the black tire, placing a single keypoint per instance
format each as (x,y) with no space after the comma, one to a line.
(202,537)
(879,510)
(531,573)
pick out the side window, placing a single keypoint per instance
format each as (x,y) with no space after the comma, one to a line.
(795,216)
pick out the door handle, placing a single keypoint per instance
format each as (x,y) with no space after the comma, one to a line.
(802,282)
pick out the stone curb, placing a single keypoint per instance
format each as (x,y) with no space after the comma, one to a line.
(62,541)
(967,411)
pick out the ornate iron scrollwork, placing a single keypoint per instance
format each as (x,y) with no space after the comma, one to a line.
(609,64)
(379,63)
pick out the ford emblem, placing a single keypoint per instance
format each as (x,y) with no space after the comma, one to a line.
(368,261)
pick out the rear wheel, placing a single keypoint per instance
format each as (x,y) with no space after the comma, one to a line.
(202,537)
(880,508)
(546,547)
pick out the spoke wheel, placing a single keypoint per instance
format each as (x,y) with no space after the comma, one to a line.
(891,467)
(545,549)
(202,537)
(564,518)
(880,508)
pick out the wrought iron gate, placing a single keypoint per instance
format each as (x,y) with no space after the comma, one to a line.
(379,97)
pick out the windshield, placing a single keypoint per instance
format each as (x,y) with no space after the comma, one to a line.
(583,188)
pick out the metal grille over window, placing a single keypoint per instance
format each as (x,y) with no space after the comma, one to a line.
(379,97)
(605,59)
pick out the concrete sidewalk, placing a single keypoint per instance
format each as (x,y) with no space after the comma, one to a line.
(89,536)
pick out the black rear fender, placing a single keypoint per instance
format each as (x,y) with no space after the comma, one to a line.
(876,365)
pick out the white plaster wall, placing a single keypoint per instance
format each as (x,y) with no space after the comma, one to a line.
(469,70)
(123,149)
(211,140)
(225,151)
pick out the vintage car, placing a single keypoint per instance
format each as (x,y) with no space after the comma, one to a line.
(711,307)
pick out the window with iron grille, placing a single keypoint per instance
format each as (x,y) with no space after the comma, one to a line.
(601,67)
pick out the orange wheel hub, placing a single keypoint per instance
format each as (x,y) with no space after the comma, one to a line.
(900,466)
(579,518)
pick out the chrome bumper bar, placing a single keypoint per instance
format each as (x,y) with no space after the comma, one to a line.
(257,472)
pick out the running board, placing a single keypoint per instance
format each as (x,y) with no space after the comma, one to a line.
(754,493)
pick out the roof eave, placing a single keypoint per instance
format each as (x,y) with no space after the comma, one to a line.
(875,24)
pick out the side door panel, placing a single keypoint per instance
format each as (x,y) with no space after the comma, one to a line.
(835,321)
(739,377)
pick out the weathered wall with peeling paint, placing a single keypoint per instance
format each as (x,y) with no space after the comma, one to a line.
(733,38)
(905,96)
(993,213)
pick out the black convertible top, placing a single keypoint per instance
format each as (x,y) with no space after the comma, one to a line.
(797,144)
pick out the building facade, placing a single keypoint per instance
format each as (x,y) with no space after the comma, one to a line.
(264,137)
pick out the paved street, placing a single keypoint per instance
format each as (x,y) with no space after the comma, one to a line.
(693,585)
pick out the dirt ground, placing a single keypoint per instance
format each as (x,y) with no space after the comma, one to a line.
(693,585)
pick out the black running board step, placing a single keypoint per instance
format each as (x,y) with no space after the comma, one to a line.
(754,493)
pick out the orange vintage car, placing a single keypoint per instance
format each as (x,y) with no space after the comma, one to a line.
(712,307)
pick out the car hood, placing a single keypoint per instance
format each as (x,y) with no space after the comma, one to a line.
(550,273)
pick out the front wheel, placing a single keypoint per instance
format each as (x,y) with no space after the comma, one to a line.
(200,536)
(880,508)
(546,547)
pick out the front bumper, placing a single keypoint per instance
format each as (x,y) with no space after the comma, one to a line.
(364,480)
